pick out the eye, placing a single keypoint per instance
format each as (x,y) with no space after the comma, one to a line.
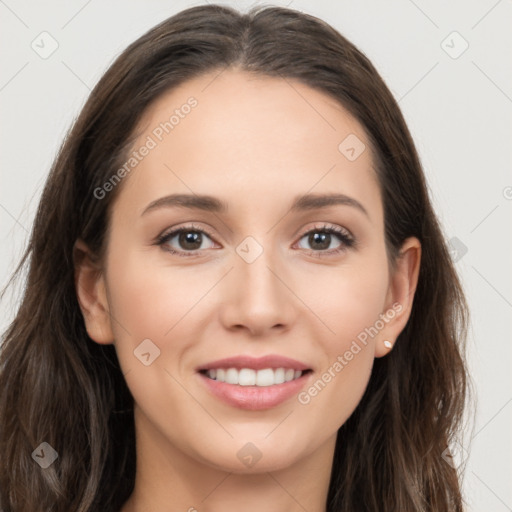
(187,241)
(320,238)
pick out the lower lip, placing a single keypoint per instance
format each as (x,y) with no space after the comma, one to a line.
(255,398)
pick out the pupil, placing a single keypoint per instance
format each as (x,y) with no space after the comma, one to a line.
(190,237)
(315,237)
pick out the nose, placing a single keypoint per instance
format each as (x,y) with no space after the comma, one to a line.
(258,297)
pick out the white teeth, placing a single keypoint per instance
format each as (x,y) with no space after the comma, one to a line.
(279,376)
(246,377)
(265,377)
(250,377)
(231,376)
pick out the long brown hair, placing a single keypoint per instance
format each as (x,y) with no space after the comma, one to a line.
(60,387)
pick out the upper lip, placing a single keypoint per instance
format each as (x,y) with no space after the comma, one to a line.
(256,363)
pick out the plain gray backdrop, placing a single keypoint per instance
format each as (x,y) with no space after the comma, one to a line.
(448,65)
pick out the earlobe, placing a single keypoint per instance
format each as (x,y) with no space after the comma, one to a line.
(400,295)
(91,294)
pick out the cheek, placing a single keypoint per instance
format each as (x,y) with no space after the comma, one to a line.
(348,300)
(149,299)
(336,391)
(350,311)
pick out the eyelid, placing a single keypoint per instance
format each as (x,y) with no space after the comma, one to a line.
(166,234)
(320,226)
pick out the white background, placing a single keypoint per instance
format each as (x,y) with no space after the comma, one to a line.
(459,111)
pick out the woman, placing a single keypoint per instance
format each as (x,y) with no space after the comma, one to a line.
(250,368)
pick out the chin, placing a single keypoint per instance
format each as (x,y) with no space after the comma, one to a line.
(261,466)
(249,457)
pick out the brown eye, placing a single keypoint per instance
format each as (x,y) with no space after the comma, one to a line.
(184,241)
(321,238)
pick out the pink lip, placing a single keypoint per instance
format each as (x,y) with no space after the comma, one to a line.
(254,398)
(256,363)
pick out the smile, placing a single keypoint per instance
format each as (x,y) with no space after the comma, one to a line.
(254,383)
(250,377)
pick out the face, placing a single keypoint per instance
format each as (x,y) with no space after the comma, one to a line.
(261,273)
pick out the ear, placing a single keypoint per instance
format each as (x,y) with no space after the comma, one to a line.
(91,294)
(400,296)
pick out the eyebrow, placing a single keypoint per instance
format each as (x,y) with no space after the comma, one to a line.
(212,204)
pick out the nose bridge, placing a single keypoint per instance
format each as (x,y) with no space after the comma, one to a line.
(258,298)
(256,268)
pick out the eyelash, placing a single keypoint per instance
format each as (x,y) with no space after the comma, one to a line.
(347,241)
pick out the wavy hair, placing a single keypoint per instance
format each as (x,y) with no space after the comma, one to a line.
(60,387)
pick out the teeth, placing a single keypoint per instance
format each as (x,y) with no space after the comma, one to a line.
(250,377)
(232,376)
(246,377)
(279,376)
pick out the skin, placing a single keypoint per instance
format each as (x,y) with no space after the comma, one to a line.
(255,142)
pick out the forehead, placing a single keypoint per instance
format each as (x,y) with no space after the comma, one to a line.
(231,133)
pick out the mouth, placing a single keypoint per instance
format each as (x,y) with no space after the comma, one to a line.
(252,383)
